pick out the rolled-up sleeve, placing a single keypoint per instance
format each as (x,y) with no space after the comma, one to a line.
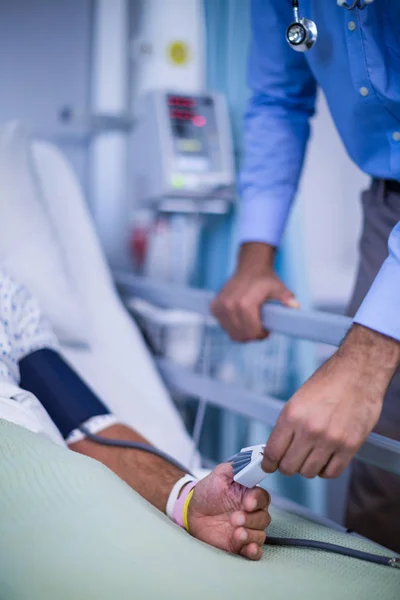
(380,309)
(282,101)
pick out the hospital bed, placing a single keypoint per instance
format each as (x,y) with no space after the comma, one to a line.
(69,528)
(48,243)
(314,326)
(105,346)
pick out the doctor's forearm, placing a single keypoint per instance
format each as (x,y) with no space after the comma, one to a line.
(149,475)
(255,257)
(375,356)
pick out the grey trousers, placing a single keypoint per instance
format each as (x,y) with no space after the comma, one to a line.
(373,507)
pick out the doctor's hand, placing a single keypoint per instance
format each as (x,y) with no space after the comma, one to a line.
(227,515)
(328,419)
(237,306)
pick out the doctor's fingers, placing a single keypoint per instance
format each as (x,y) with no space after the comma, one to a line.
(277,445)
(336,465)
(316,461)
(238,312)
(327,459)
(223,309)
(249,317)
(305,455)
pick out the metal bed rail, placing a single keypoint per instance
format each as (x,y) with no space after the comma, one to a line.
(307,325)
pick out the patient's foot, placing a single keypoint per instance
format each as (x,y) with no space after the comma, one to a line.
(228,515)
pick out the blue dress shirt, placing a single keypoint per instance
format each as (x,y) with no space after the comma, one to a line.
(356,61)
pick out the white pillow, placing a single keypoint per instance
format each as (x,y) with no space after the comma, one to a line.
(29,249)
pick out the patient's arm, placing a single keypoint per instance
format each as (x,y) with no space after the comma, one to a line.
(149,475)
(221,512)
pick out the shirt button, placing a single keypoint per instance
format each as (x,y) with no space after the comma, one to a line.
(396,136)
(351,25)
(364,91)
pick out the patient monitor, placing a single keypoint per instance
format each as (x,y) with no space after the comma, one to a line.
(182,151)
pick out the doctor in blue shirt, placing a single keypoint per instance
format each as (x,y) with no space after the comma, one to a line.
(356,61)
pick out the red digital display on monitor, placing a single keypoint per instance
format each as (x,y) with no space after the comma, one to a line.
(181,101)
(181,115)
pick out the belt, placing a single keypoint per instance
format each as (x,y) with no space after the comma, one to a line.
(392,185)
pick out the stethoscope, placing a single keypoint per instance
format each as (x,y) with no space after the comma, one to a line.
(302,34)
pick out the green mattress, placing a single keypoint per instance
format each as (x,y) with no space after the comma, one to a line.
(70,529)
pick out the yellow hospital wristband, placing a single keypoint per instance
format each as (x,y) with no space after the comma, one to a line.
(186,509)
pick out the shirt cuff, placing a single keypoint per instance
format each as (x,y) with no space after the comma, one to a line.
(93,425)
(380,308)
(263,219)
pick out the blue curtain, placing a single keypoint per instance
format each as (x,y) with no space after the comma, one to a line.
(227,43)
(227,40)
(227,27)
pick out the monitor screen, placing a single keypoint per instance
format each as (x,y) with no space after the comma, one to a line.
(194,131)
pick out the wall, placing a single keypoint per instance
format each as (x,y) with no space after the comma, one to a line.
(155,24)
(41,60)
(130,56)
(109,150)
(45,66)
(329,199)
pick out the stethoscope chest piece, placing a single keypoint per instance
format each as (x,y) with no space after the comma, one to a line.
(302,34)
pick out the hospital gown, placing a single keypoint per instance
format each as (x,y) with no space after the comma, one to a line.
(23,330)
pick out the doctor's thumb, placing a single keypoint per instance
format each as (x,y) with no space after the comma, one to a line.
(285,296)
(291,302)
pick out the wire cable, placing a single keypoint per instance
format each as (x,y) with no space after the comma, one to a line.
(202,405)
(388,561)
(98,439)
